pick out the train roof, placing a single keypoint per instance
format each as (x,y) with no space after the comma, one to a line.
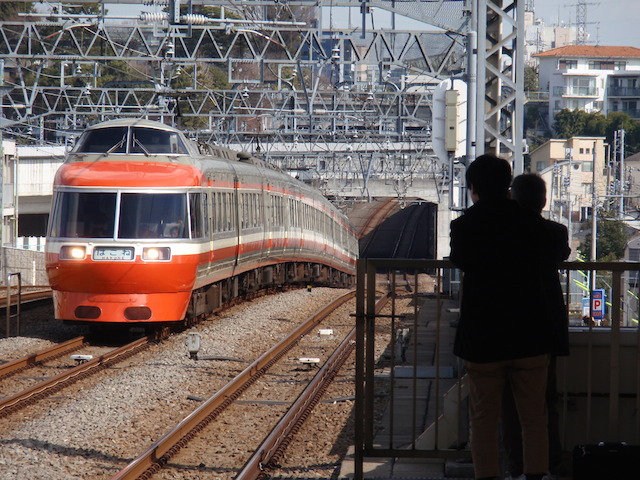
(127,122)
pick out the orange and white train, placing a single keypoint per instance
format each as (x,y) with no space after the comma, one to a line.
(147,227)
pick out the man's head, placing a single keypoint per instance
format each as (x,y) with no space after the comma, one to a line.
(530,191)
(489,177)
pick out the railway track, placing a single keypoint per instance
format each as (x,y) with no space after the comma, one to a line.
(30,361)
(96,426)
(12,403)
(161,453)
(28,294)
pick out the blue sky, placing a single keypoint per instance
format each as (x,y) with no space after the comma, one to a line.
(618,21)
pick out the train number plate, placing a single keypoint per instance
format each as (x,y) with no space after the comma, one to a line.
(112,253)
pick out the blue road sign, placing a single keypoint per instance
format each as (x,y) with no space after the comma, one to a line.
(597,304)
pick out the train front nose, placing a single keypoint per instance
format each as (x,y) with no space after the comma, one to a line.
(111,308)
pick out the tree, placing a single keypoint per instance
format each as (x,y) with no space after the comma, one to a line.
(530,79)
(611,242)
(569,123)
(11,9)
(595,125)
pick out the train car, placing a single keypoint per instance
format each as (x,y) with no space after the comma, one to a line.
(147,227)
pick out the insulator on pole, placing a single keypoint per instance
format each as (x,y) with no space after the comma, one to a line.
(153,17)
(194,19)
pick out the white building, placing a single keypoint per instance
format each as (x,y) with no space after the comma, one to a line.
(37,166)
(8,194)
(567,166)
(591,78)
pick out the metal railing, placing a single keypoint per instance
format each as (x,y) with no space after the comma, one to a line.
(411,401)
(8,303)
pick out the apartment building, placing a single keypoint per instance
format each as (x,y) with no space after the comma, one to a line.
(567,166)
(592,78)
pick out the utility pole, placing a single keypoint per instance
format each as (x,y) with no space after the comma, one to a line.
(622,173)
(594,215)
(569,154)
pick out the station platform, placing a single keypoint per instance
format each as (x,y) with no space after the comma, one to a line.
(412,468)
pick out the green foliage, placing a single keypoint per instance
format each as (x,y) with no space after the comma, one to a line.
(569,123)
(116,70)
(576,123)
(530,79)
(8,10)
(611,240)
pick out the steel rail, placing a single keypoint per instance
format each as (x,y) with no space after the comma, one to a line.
(27,297)
(272,448)
(159,453)
(29,395)
(56,351)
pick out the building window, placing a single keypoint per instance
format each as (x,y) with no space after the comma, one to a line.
(541,165)
(581,150)
(567,64)
(620,65)
(582,86)
(601,65)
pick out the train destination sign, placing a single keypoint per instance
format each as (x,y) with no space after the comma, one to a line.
(113,253)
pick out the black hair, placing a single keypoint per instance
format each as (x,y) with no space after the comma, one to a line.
(530,191)
(490,176)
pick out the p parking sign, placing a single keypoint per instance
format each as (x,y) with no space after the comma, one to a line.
(597,304)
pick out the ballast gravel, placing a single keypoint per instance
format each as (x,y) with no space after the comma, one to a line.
(95,428)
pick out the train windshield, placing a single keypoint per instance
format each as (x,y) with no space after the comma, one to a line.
(132,140)
(153,215)
(142,215)
(84,215)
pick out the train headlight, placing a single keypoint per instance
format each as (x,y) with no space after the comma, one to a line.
(156,253)
(73,252)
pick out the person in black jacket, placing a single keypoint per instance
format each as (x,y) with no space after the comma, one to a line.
(530,191)
(504,330)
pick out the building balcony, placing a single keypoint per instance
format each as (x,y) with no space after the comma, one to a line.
(623,92)
(576,92)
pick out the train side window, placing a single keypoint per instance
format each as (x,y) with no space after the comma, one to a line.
(224,211)
(196,215)
(230,212)
(258,219)
(243,211)
(296,212)
(206,212)
(221,211)
(215,220)
(252,210)
(224,208)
